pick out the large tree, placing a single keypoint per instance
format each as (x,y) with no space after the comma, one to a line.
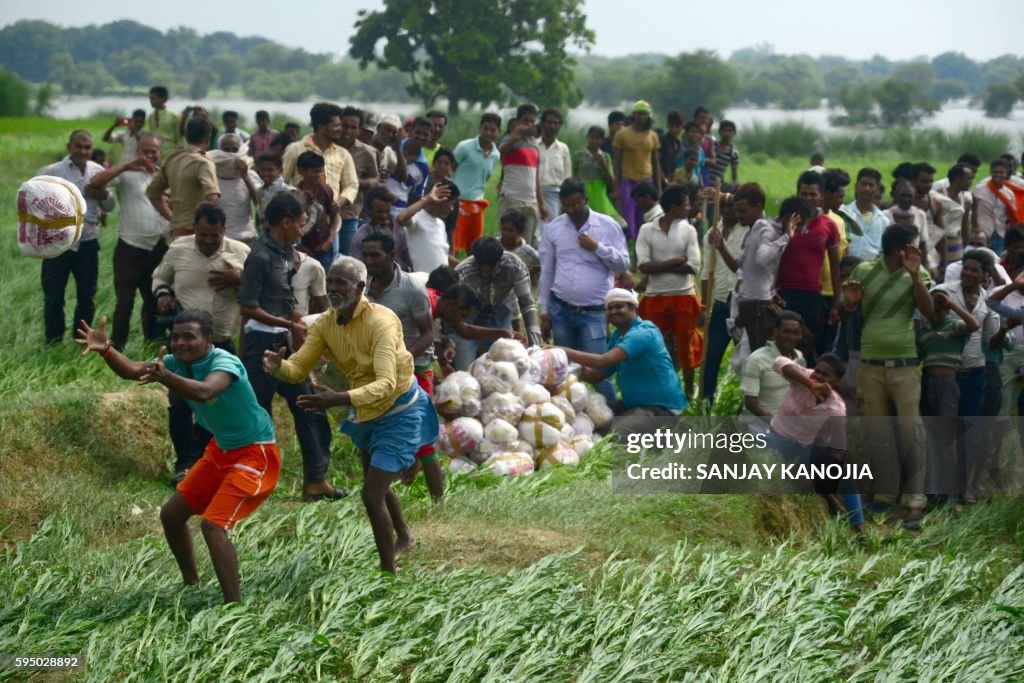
(689,80)
(477,52)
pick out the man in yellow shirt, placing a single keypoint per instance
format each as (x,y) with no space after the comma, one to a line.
(390,416)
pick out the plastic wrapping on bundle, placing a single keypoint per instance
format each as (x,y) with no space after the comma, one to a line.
(51,213)
(599,412)
(501,377)
(510,351)
(583,425)
(574,390)
(531,393)
(510,464)
(541,425)
(458,394)
(562,403)
(460,436)
(582,444)
(498,431)
(552,365)
(502,405)
(559,453)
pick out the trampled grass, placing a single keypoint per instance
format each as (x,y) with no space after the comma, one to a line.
(547,578)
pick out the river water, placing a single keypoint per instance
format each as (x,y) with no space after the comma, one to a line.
(951,117)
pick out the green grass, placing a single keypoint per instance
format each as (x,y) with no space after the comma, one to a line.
(550,577)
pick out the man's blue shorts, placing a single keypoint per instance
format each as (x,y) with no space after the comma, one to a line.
(393,438)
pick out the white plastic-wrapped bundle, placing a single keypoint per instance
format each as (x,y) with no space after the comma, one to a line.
(523,447)
(510,464)
(599,412)
(501,433)
(51,212)
(582,444)
(484,450)
(531,393)
(501,377)
(562,403)
(504,405)
(510,351)
(583,425)
(459,394)
(552,364)
(568,433)
(460,436)
(480,367)
(574,390)
(560,453)
(461,465)
(541,425)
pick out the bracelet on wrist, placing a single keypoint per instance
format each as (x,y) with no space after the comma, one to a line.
(107,349)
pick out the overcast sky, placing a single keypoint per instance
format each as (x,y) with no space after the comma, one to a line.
(898,30)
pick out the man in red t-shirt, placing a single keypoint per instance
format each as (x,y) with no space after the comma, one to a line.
(798,281)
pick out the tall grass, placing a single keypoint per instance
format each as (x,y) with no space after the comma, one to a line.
(544,578)
(796,139)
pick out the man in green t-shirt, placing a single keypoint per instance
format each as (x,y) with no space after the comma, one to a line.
(887,289)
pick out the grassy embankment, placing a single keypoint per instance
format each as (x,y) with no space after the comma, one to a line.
(547,578)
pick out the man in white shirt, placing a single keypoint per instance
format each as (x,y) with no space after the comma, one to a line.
(726,240)
(994,205)
(424,226)
(555,161)
(141,238)
(128,138)
(668,253)
(83,259)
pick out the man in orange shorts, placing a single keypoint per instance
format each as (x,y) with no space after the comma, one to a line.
(241,464)
(668,253)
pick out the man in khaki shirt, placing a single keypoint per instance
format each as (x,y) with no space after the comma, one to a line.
(190,176)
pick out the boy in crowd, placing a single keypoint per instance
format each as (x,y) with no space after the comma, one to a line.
(322,211)
(671,143)
(513,231)
(726,156)
(270,170)
(379,201)
(940,343)
(425,227)
(417,168)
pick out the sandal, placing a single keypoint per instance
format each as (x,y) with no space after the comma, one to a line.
(912,522)
(332,495)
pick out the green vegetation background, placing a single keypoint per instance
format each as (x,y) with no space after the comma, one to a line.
(546,578)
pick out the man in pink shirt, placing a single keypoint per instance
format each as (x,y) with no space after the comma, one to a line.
(810,425)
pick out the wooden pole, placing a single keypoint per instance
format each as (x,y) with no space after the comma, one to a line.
(710,304)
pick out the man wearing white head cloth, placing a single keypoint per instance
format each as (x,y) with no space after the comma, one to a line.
(638,358)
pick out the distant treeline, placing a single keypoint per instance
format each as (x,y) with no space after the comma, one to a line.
(126,55)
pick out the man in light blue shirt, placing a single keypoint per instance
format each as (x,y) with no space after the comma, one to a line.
(869,218)
(638,358)
(477,158)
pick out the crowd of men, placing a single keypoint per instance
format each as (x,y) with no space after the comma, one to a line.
(905,303)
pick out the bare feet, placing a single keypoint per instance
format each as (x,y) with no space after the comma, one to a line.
(403,543)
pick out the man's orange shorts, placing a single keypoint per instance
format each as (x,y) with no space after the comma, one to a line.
(226,486)
(677,315)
